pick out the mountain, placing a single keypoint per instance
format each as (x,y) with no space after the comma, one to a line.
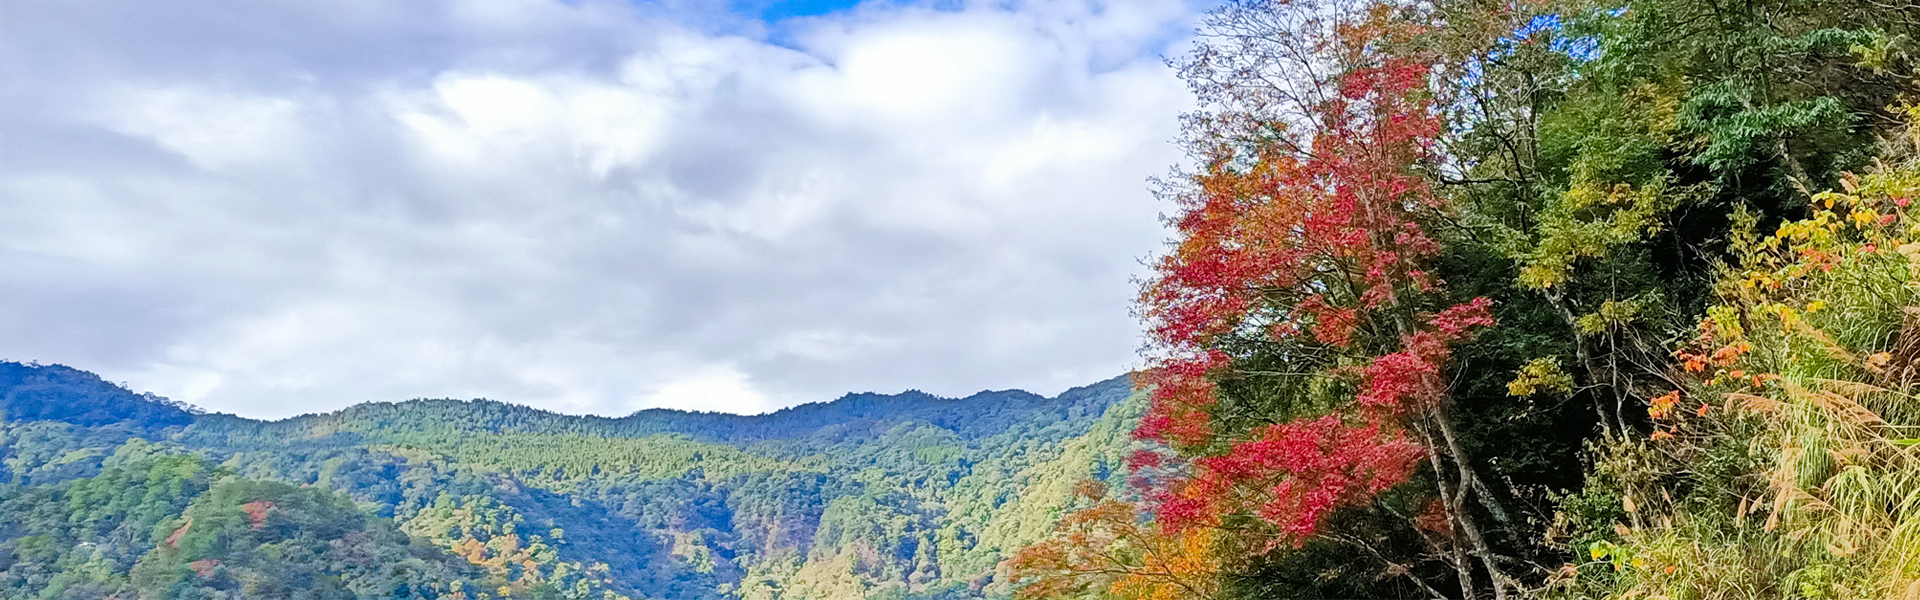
(36,392)
(108,493)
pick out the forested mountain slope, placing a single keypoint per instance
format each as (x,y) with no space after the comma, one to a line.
(111,493)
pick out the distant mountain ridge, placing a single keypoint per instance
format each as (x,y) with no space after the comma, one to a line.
(35,392)
(979,414)
(53,392)
(870,495)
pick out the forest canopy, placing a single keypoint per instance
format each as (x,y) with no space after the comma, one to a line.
(109,494)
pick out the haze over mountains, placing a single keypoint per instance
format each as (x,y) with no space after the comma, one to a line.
(112,493)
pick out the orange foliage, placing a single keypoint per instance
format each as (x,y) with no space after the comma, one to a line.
(472,550)
(1662,407)
(1109,547)
(257,513)
(204,567)
(174,539)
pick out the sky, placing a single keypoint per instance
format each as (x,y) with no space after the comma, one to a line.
(275,208)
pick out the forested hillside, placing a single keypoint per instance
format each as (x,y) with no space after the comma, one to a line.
(113,494)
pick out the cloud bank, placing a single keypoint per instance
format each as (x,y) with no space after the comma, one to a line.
(278,208)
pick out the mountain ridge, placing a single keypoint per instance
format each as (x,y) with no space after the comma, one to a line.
(868,495)
(31,377)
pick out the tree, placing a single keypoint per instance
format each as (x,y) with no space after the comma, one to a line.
(1300,343)
(1108,548)
(1603,147)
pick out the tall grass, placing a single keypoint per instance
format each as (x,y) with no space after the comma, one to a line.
(1788,466)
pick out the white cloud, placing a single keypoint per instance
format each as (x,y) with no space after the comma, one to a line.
(210,129)
(582,206)
(714,389)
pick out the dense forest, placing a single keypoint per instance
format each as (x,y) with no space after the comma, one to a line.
(1550,299)
(106,493)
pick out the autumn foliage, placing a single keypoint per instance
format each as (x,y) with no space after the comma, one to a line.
(1107,548)
(1303,229)
(1334,404)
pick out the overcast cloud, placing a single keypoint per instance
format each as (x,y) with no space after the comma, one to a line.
(271,208)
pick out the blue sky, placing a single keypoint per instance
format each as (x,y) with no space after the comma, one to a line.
(584,205)
(778,10)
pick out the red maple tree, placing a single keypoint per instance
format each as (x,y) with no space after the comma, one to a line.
(1301,241)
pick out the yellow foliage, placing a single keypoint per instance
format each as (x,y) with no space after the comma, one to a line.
(1541,375)
(1811,352)
(1107,551)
